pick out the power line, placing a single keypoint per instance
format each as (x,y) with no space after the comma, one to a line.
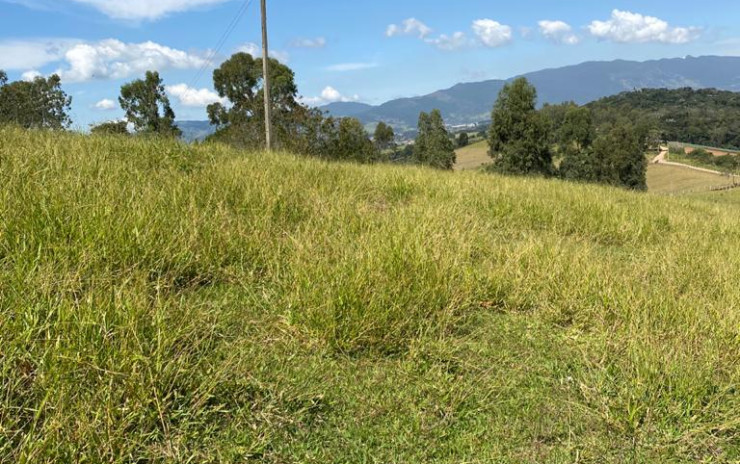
(221,42)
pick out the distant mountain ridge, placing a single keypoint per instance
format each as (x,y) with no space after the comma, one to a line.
(583,83)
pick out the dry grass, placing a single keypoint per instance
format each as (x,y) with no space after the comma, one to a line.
(665,179)
(161,303)
(473,156)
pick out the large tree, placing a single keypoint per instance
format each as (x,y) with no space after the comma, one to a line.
(239,80)
(576,131)
(147,106)
(352,142)
(37,104)
(433,146)
(384,136)
(615,158)
(518,137)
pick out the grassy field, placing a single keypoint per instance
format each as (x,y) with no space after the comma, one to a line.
(165,304)
(473,156)
(668,179)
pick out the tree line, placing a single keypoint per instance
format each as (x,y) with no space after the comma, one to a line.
(590,143)
(525,141)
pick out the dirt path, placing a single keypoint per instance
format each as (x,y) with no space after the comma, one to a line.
(661,159)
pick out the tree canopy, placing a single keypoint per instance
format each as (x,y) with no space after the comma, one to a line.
(147,106)
(110,128)
(433,145)
(518,137)
(384,136)
(239,80)
(37,104)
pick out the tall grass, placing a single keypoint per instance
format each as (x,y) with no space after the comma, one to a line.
(167,303)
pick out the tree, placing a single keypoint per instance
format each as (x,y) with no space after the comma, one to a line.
(110,128)
(616,158)
(38,104)
(518,137)
(239,80)
(463,140)
(143,100)
(352,142)
(576,130)
(433,146)
(623,147)
(384,136)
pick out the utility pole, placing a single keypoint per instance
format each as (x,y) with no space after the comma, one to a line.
(266,79)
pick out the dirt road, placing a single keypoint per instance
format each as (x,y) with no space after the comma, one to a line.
(661,159)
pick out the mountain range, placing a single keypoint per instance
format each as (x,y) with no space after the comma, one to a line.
(471,102)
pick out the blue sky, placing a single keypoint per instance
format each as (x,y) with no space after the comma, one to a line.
(369,51)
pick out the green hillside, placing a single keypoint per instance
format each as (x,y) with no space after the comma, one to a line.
(162,303)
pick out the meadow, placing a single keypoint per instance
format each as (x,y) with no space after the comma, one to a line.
(165,303)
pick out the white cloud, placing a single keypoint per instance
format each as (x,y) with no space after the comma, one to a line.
(414,27)
(492,33)
(411,26)
(145,9)
(113,59)
(558,32)
(29,76)
(329,95)
(627,27)
(344,67)
(449,43)
(106,105)
(188,96)
(318,42)
(256,51)
(32,54)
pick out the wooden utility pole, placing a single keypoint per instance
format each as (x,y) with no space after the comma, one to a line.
(266,79)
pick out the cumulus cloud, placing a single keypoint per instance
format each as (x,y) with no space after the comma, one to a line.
(197,98)
(449,43)
(492,33)
(558,32)
(106,105)
(256,51)
(145,9)
(80,61)
(318,42)
(329,95)
(628,27)
(113,59)
(411,26)
(344,67)
(29,76)
(415,28)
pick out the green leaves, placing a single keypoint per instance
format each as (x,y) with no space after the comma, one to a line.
(142,100)
(38,104)
(433,145)
(518,137)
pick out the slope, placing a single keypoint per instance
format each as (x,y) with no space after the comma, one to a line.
(166,303)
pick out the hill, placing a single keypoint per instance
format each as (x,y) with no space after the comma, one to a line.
(168,303)
(195,130)
(583,83)
(704,116)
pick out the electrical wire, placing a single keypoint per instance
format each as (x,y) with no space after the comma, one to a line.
(221,42)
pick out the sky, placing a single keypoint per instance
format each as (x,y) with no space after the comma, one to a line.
(340,50)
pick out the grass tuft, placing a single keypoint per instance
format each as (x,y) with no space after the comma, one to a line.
(168,303)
